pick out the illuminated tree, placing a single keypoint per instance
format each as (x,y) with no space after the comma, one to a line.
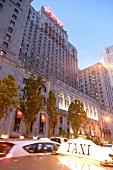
(32,102)
(76,115)
(8,95)
(52,112)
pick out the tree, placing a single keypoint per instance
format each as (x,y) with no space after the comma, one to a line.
(8,95)
(62,133)
(52,112)
(32,102)
(76,115)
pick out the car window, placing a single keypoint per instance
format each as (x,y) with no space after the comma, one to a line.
(39,148)
(31,148)
(56,140)
(65,140)
(5,147)
(57,146)
(108,146)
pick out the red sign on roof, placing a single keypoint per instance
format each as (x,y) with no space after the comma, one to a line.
(51,13)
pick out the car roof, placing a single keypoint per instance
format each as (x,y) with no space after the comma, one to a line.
(45,139)
(58,137)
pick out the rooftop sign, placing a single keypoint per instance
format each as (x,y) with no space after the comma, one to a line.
(85,148)
(51,13)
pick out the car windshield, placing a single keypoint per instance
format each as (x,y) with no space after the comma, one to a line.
(55,140)
(5,148)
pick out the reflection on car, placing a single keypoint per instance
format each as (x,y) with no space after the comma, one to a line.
(47,162)
(14,148)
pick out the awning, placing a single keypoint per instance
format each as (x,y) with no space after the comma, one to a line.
(43,117)
(19,114)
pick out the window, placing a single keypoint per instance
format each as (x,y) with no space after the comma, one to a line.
(5,45)
(17,124)
(20,0)
(39,147)
(7,37)
(14,17)
(10,29)
(2,53)
(2,0)
(60,102)
(18,4)
(60,119)
(22,94)
(16,11)
(65,140)
(24,80)
(67,121)
(31,127)
(1,6)
(44,89)
(12,23)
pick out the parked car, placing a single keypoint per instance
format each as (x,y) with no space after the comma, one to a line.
(108,145)
(59,139)
(14,148)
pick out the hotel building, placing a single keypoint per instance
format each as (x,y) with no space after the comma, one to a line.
(36,42)
(106,58)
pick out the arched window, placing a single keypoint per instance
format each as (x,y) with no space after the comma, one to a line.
(61,97)
(67,103)
(95,113)
(91,112)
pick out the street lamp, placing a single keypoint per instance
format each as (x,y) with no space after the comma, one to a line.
(106,119)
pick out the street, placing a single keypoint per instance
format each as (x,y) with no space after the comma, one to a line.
(51,162)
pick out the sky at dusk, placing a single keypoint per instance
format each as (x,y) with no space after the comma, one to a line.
(89,25)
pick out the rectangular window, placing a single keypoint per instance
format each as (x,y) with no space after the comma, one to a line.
(12,23)
(10,29)
(22,94)
(7,37)
(44,89)
(31,127)
(14,17)
(17,124)
(1,6)
(60,119)
(24,80)
(2,53)
(67,121)
(18,4)
(5,45)
(16,11)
